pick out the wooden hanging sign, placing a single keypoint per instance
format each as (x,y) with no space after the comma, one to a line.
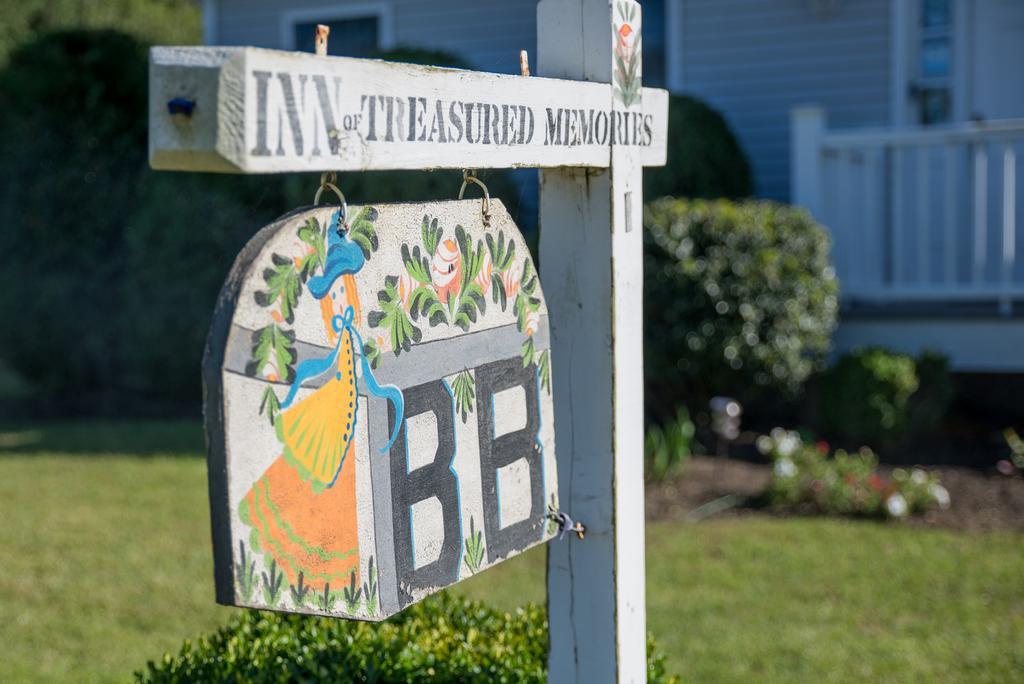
(378,408)
(253,110)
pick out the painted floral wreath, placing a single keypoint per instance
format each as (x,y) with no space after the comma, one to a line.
(446,281)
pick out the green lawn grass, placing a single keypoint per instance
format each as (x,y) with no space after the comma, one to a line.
(105,563)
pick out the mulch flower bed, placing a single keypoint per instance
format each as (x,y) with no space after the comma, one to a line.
(981,500)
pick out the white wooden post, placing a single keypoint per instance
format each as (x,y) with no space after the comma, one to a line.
(807,127)
(592,270)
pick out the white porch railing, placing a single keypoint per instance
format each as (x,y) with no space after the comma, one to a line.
(916,214)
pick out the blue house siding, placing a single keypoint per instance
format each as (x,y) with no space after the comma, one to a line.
(488,35)
(751,59)
(754,60)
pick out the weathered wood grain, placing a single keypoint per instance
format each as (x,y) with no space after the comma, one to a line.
(591,265)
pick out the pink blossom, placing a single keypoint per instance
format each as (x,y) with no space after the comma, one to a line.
(446,270)
(510,279)
(405,288)
(483,279)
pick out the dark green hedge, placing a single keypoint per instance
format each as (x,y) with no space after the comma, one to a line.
(111,270)
(443,639)
(876,396)
(704,158)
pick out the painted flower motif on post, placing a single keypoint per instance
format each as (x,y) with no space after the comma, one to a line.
(627,53)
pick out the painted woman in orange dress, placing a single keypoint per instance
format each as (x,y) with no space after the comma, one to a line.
(302,510)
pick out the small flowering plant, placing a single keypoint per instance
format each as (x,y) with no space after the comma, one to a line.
(805,476)
(1014,465)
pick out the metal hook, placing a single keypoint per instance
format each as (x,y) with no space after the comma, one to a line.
(469,176)
(566,524)
(328,180)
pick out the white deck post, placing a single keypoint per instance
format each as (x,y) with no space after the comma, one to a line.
(592,269)
(807,127)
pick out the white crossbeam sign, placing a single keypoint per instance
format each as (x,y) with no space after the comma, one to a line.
(250,110)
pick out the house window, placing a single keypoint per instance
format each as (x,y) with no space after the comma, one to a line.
(653,45)
(349,37)
(933,88)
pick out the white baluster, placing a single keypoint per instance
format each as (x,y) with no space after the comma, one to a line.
(896,219)
(980,211)
(923,217)
(1009,226)
(950,216)
(869,220)
(841,218)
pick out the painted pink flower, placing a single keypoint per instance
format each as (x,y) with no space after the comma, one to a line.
(405,288)
(625,31)
(531,323)
(510,279)
(446,270)
(483,279)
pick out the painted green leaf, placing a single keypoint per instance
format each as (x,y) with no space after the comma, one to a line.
(372,353)
(417,265)
(473,293)
(431,235)
(529,279)
(370,589)
(474,545)
(498,291)
(361,231)
(464,390)
(424,302)
(313,235)
(352,593)
(273,346)
(284,285)
(502,253)
(527,352)
(393,318)
(270,405)
(544,369)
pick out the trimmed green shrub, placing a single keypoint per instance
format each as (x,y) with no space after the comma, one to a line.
(878,396)
(704,158)
(668,447)
(935,392)
(443,639)
(741,298)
